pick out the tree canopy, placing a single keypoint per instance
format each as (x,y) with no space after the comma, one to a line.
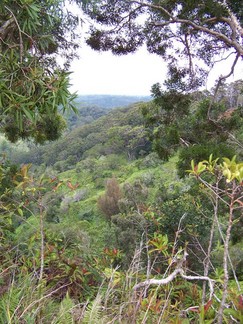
(33,86)
(189,35)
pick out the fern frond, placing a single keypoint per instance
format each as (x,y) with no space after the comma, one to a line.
(65,312)
(93,312)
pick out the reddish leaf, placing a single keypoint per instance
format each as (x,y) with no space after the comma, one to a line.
(57,186)
(71,186)
(53,179)
(208,305)
(240,301)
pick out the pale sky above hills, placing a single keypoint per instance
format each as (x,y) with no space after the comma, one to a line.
(104,73)
(133,74)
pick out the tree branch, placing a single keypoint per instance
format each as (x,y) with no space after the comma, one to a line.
(158,282)
(160,8)
(173,275)
(220,80)
(219,36)
(21,46)
(234,19)
(5,27)
(233,24)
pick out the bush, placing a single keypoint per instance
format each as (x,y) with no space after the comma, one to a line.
(109,202)
(200,152)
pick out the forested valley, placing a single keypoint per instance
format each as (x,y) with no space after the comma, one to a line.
(118,209)
(89,216)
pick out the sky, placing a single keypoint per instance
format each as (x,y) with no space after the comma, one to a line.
(133,74)
(105,73)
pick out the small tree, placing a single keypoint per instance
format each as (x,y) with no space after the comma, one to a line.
(108,202)
(224,182)
(227,188)
(33,85)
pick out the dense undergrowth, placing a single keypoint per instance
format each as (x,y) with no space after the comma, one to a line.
(98,213)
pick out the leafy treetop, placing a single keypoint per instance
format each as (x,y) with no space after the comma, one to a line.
(32,84)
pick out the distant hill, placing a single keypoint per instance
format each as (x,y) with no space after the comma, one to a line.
(120,131)
(110,101)
(85,114)
(91,107)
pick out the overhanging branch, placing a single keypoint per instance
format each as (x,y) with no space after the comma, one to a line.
(232,22)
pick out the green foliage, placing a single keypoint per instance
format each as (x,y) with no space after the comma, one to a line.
(229,168)
(135,196)
(12,198)
(159,243)
(129,229)
(232,170)
(65,311)
(236,309)
(33,86)
(118,132)
(84,114)
(93,312)
(164,120)
(229,175)
(13,305)
(55,223)
(177,121)
(76,257)
(196,222)
(201,152)
(235,251)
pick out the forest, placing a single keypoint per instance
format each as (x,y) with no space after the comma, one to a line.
(118,209)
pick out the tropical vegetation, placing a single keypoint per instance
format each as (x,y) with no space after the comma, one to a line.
(119,211)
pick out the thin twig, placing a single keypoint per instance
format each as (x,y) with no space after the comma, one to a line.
(21,46)
(42,298)
(220,80)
